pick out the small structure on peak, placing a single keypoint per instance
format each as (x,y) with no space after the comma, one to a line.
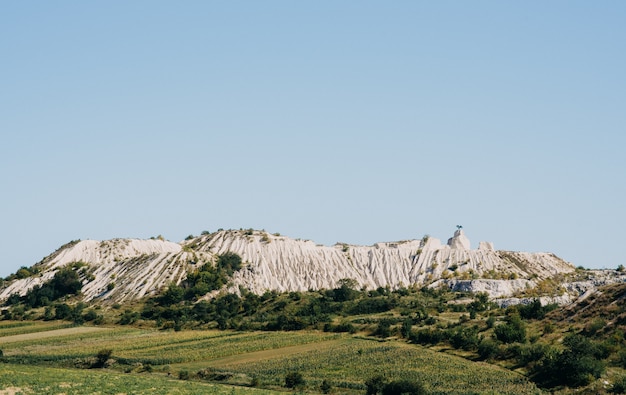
(459,241)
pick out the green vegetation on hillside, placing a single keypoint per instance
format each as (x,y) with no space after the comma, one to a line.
(343,339)
(309,360)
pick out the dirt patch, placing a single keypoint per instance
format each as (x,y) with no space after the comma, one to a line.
(53,333)
(14,391)
(273,353)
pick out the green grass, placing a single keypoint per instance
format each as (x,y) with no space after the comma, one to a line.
(10,328)
(20,379)
(343,360)
(348,364)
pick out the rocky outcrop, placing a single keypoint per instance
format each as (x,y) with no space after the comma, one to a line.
(459,241)
(121,270)
(495,288)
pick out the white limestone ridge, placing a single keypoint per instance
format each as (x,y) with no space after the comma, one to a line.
(459,241)
(122,270)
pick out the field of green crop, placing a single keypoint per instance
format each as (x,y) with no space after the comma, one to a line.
(23,379)
(145,358)
(347,363)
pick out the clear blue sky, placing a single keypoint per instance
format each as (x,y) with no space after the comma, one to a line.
(351,121)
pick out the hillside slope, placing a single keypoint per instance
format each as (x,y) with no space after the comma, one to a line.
(121,270)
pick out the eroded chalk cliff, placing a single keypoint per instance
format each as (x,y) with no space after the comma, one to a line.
(121,270)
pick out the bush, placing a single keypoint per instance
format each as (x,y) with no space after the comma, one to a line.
(379,386)
(535,310)
(129,317)
(384,328)
(326,388)
(402,387)
(575,366)
(428,336)
(371,306)
(183,375)
(465,338)
(90,315)
(294,380)
(65,282)
(62,311)
(514,330)
(488,349)
(374,385)
(346,290)
(102,358)
(619,386)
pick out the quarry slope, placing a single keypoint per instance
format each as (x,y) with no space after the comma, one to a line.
(121,270)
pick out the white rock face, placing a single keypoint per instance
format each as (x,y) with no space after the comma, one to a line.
(459,241)
(495,288)
(139,268)
(486,245)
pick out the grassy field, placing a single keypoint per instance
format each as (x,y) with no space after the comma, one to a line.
(46,357)
(24,379)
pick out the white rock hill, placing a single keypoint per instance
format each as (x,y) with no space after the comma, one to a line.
(122,270)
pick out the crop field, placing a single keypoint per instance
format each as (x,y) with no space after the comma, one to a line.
(346,363)
(25,327)
(53,359)
(23,379)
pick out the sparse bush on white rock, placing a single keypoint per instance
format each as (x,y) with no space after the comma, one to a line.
(137,268)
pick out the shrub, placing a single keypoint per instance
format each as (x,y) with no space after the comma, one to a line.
(90,315)
(346,290)
(465,338)
(575,366)
(23,272)
(102,358)
(619,386)
(369,305)
(326,388)
(374,385)
(294,380)
(535,310)
(183,375)
(384,328)
(514,330)
(65,282)
(488,349)
(428,336)
(402,387)
(379,386)
(62,311)
(129,317)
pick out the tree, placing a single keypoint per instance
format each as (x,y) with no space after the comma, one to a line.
(102,358)
(374,385)
(229,262)
(577,365)
(378,385)
(66,282)
(62,311)
(294,380)
(384,328)
(325,387)
(173,295)
(404,387)
(514,330)
(407,327)
(346,290)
